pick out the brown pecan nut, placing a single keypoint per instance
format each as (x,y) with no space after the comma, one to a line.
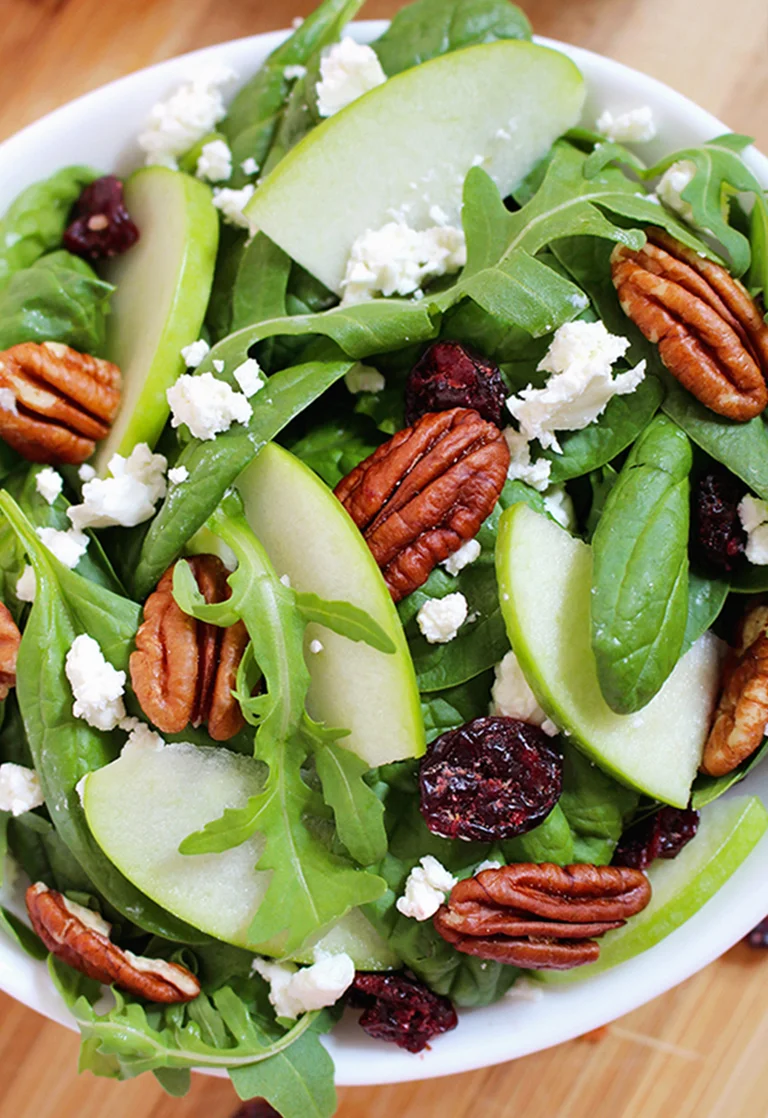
(63,401)
(541,917)
(183,671)
(10,639)
(81,938)
(424,493)
(710,333)
(742,710)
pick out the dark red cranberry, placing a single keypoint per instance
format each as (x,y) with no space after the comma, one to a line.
(492,778)
(401,1009)
(450,375)
(718,536)
(758,937)
(662,835)
(101,225)
(256,1108)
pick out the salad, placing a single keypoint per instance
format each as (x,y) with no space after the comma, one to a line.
(383,543)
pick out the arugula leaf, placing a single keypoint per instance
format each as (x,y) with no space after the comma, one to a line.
(757,280)
(298,1080)
(596,807)
(356,808)
(345,619)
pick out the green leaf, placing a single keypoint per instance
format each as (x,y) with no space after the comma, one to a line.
(709,788)
(261,283)
(757,280)
(298,1081)
(452,707)
(333,449)
(345,619)
(706,598)
(358,812)
(55,300)
(551,841)
(596,806)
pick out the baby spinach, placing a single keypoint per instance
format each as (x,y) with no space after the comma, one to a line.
(10,924)
(261,283)
(551,841)
(709,788)
(706,598)
(334,448)
(452,707)
(640,569)
(596,807)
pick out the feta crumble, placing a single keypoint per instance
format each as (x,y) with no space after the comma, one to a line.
(672,184)
(26,585)
(293,991)
(249,166)
(398,260)
(249,377)
(195,353)
(294,73)
(214,163)
(126,498)
(97,686)
(466,554)
(49,484)
(193,110)
(141,738)
(207,405)
(86,472)
(68,546)
(427,886)
(8,401)
(347,71)
(440,619)
(178,474)
(315,647)
(580,360)
(635,126)
(363,378)
(536,474)
(511,696)
(20,789)
(753,514)
(560,507)
(231,203)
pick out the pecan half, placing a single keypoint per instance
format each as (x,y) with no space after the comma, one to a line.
(63,401)
(183,671)
(10,639)
(424,493)
(81,939)
(540,917)
(710,332)
(742,710)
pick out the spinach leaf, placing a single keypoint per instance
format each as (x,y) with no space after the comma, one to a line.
(551,841)
(10,924)
(451,708)
(596,807)
(333,449)
(640,569)
(706,598)
(709,788)
(261,283)
(601,482)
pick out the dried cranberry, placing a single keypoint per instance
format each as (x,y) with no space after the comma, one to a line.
(758,937)
(101,224)
(450,375)
(401,1009)
(492,778)
(716,529)
(256,1108)
(662,835)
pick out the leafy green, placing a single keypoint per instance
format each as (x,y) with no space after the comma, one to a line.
(706,598)
(345,619)
(261,283)
(551,841)
(596,807)
(334,448)
(10,924)
(358,812)
(757,280)
(709,788)
(452,707)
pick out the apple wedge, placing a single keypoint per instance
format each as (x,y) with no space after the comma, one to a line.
(544,579)
(309,536)
(162,289)
(405,148)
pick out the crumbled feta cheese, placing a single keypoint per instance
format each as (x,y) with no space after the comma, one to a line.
(97,686)
(293,991)
(231,203)
(69,547)
(286,580)
(438,215)
(20,789)
(560,507)
(398,260)
(126,498)
(86,472)
(580,359)
(425,890)
(753,514)
(249,377)
(672,184)
(536,474)
(49,484)
(249,166)
(294,73)
(141,739)
(207,405)
(490,864)
(195,353)
(636,126)
(8,401)
(511,696)
(466,554)
(26,585)
(214,163)
(363,378)
(315,647)
(347,71)
(218,365)
(441,618)
(193,110)
(178,474)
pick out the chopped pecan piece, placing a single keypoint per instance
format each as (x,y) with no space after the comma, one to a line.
(183,671)
(63,401)
(80,938)
(540,917)
(10,639)
(742,710)
(710,332)
(424,493)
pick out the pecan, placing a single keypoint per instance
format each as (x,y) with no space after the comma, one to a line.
(540,916)
(183,671)
(63,401)
(742,710)
(424,493)
(710,333)
(10,639)
(81,939)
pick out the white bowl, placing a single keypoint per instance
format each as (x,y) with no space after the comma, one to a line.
(100,128)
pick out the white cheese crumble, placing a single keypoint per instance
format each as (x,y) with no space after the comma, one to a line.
(427,886)
(441,618)
(231,203)
(249,166)
(580,360)
(69,547)
(560,507)
(635,126)
(753,514)
(466,554)
(195,353)
(347,71)
(315,647)
(97,686)
(294,73)
(511,696)
(126,498)
(49,484)
(672,184)
(214,163)
(8,400)
(536,474)
(207,405)
(398,260)
(141,738)
(86,472)
(286,580)
(193,110)
(293,991)
(249,377)
(178,474)
(363,378)
(26,585)
(20,789)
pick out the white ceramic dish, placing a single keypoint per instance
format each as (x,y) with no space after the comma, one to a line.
(100,128)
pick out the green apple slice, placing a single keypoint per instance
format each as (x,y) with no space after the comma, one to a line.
(729,830)
(544,579)
(406,147)
(309,536)
(163,284)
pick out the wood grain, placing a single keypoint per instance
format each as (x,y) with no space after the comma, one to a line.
(697,1052)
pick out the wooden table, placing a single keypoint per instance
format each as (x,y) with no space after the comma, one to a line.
(697,1052)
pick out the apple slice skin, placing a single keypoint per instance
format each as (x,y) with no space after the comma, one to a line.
(407,145)
(163,284)
(309,536)
(544,577)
